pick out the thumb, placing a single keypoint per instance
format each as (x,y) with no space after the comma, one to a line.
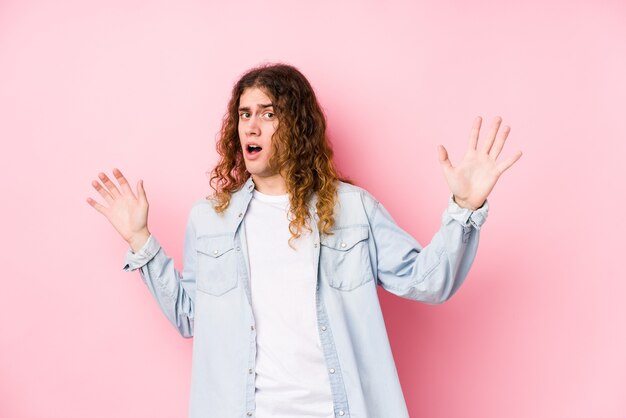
(443,157)
(141,191)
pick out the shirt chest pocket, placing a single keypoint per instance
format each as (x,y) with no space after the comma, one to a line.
(344,259)
(216,269)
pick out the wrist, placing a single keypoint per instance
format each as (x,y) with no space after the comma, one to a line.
(137,241)
(465,204)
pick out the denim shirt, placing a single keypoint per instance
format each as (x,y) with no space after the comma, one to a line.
(210,300)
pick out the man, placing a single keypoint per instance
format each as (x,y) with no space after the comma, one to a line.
(281,263)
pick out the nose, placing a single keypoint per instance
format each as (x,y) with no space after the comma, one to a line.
(253,127)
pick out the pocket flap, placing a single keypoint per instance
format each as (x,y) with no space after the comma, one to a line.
(214,246)
(346,238)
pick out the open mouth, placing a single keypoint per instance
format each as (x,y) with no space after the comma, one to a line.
(253,149)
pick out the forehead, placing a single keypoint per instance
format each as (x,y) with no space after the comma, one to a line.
(253,96)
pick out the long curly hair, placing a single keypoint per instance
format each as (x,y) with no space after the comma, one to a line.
(301,151)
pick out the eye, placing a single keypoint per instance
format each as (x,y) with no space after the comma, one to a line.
(244,115)
(268,115)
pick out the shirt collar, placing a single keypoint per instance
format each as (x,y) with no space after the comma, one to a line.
(249,185)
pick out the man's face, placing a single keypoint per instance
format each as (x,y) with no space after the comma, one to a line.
(257,123)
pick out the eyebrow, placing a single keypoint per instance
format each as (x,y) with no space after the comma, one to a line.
(262,106)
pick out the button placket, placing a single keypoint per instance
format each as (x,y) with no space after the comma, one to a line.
(330,355)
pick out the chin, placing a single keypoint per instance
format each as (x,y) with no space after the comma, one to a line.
(258,171)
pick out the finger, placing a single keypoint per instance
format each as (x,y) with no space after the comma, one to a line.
(474,133)
(122,181)
(506,164)
(492,134)
(110,186)
(103,192)
(97,206)
(141,192)
(443,158)
(497,146)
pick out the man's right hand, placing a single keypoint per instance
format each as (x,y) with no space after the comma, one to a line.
(128,214)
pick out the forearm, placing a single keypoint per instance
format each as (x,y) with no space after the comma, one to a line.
(164,283)
(458,245)
(431,274)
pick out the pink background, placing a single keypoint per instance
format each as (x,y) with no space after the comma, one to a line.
(539,328)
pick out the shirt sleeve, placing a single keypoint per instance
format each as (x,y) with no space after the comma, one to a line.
(133,260)
(467,217)
(430,274)
(174,291)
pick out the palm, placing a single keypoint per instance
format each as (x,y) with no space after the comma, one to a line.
(473,179)
(128,214)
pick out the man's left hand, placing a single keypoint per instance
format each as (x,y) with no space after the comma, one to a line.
(473,179)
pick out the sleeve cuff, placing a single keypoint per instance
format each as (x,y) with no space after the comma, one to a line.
(133,261)
(467,217)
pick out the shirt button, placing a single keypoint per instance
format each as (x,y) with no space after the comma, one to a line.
(341,413)
(332,371)
(215,252)
(343,245)
(250,371)
(315,245)
(324,328)
(240,214)
(238,249)
(249,414)
(252,327)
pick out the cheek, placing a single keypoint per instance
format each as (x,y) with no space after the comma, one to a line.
(241,134)
(271,131)
(272,135)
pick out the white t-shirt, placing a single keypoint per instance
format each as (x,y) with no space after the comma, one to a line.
(291,376)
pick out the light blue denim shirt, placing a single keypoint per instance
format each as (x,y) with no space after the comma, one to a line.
(210,300)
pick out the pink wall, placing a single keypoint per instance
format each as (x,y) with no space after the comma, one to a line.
(538,330)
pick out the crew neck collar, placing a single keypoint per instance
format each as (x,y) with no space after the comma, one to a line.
(269,197)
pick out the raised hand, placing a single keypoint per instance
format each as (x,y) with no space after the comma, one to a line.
(473,179)
(128,214)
